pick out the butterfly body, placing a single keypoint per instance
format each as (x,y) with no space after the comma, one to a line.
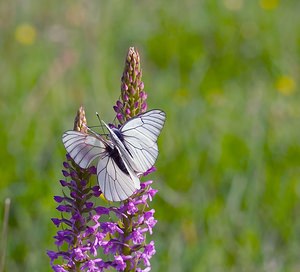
(129,152)
(115,156)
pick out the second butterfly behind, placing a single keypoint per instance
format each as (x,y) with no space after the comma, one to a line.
(123,157)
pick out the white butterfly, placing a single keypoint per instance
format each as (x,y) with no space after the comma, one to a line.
(130,151)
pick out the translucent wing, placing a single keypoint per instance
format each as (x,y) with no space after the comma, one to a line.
(137,138)
(116,180)
(83,148)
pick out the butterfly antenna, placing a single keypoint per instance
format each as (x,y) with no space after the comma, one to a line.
(101,125)
(98,117)
(92,131)
(115,122)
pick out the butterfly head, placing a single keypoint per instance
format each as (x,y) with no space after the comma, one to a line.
(114,131)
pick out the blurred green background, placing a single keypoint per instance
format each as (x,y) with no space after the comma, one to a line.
(226,73)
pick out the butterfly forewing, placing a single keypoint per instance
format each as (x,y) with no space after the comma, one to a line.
(83,148)
(149,124)
(139,138)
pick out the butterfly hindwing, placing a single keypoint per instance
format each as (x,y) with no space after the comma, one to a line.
(117,183)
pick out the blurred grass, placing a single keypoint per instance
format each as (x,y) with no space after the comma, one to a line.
(227,74)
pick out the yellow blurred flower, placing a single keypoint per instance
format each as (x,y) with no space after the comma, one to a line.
(25,34)
(233,5)
(285,85)
(189,231)
(182,96)
(269,4)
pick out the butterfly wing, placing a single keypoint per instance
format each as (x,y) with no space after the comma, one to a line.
(116,184)
(83,148)
(140,136)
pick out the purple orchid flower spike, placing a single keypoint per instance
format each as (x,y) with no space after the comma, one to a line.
(133,97)
(111,236)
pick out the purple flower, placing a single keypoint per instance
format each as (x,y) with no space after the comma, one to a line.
(79,254)
(56,221)
(58,268)
(120,265)
(63,236)
(131,208)
(94,265)
(109,227)
(58,199)
(149,220)
(149,251)
(152,169)
(137,236)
